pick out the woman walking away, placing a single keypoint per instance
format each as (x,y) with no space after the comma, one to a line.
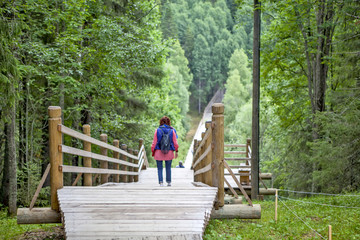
(163,147)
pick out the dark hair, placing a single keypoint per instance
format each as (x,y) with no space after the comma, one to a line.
(165,120)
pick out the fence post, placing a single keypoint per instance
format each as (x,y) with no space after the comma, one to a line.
(136,169)
(123,178)
(208,175)
(87,160)
(330,233)
(218,152)
(104,164)
(276,204)
(56,157)
(248,144)
(202,163)
(194,159)
(116,155)
(131,169)
(141,142)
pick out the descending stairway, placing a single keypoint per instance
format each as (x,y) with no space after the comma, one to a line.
(141,210)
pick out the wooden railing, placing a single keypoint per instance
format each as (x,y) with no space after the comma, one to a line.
(126,166)
(209,162)
(208,158)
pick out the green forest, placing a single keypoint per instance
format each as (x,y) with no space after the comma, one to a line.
(120,65)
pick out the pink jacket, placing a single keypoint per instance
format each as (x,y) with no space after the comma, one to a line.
(158,155)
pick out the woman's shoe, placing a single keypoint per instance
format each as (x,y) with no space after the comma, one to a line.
(169,184)
(161,184)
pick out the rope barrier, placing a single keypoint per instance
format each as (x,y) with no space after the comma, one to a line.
(301,219)
(322,204)
(326,194)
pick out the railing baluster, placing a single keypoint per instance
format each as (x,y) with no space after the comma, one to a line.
(116,155)
(87,160)
(104,164)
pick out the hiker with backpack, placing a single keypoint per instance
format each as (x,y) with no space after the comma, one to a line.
(163,147)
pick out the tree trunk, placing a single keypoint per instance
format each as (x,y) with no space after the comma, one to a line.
(4,191)
(12,161)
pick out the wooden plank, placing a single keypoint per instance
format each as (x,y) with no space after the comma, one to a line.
(234,152)
(204,169)
(234,145)
(77,179)
(231,189)
(83,137)
(82,153)
(238,159)
(207,135)
(238,183)
(66,168)
(131,228)
(115,235)
(202,156)
(41,183)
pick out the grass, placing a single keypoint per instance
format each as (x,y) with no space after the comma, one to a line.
(345,222)
(9,229)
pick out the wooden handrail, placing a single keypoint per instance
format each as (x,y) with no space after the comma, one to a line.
(202,156)
(74,169)
(203,141)
(82,153)
(203,170)
(68,131)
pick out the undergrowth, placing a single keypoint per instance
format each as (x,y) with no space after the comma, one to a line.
(345,222)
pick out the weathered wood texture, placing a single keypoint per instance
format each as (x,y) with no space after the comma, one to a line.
(56,157)
(218,152)
(138,210)
(37,216)
(241,211)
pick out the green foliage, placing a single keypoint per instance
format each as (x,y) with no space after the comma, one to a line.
(237,99)
(207,34)
(103,62)
(310,142)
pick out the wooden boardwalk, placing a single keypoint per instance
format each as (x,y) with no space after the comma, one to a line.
(141,210)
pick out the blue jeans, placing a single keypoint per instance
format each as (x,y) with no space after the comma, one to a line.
(160,170)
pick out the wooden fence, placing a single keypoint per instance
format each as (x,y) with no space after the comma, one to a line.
(126,165)
(211,160)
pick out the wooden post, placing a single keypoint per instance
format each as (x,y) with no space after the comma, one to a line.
(202,162)
(141,142)
(218,152)
(104,164)
(248,155)
(136,169)
(56,157)
(131,169)
(208,175)
(116,155)
(87,160)
(256,102)
(195,158)
(330,233)
(123,178)
(276,204)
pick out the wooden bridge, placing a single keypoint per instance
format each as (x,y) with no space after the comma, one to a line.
(129,203)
